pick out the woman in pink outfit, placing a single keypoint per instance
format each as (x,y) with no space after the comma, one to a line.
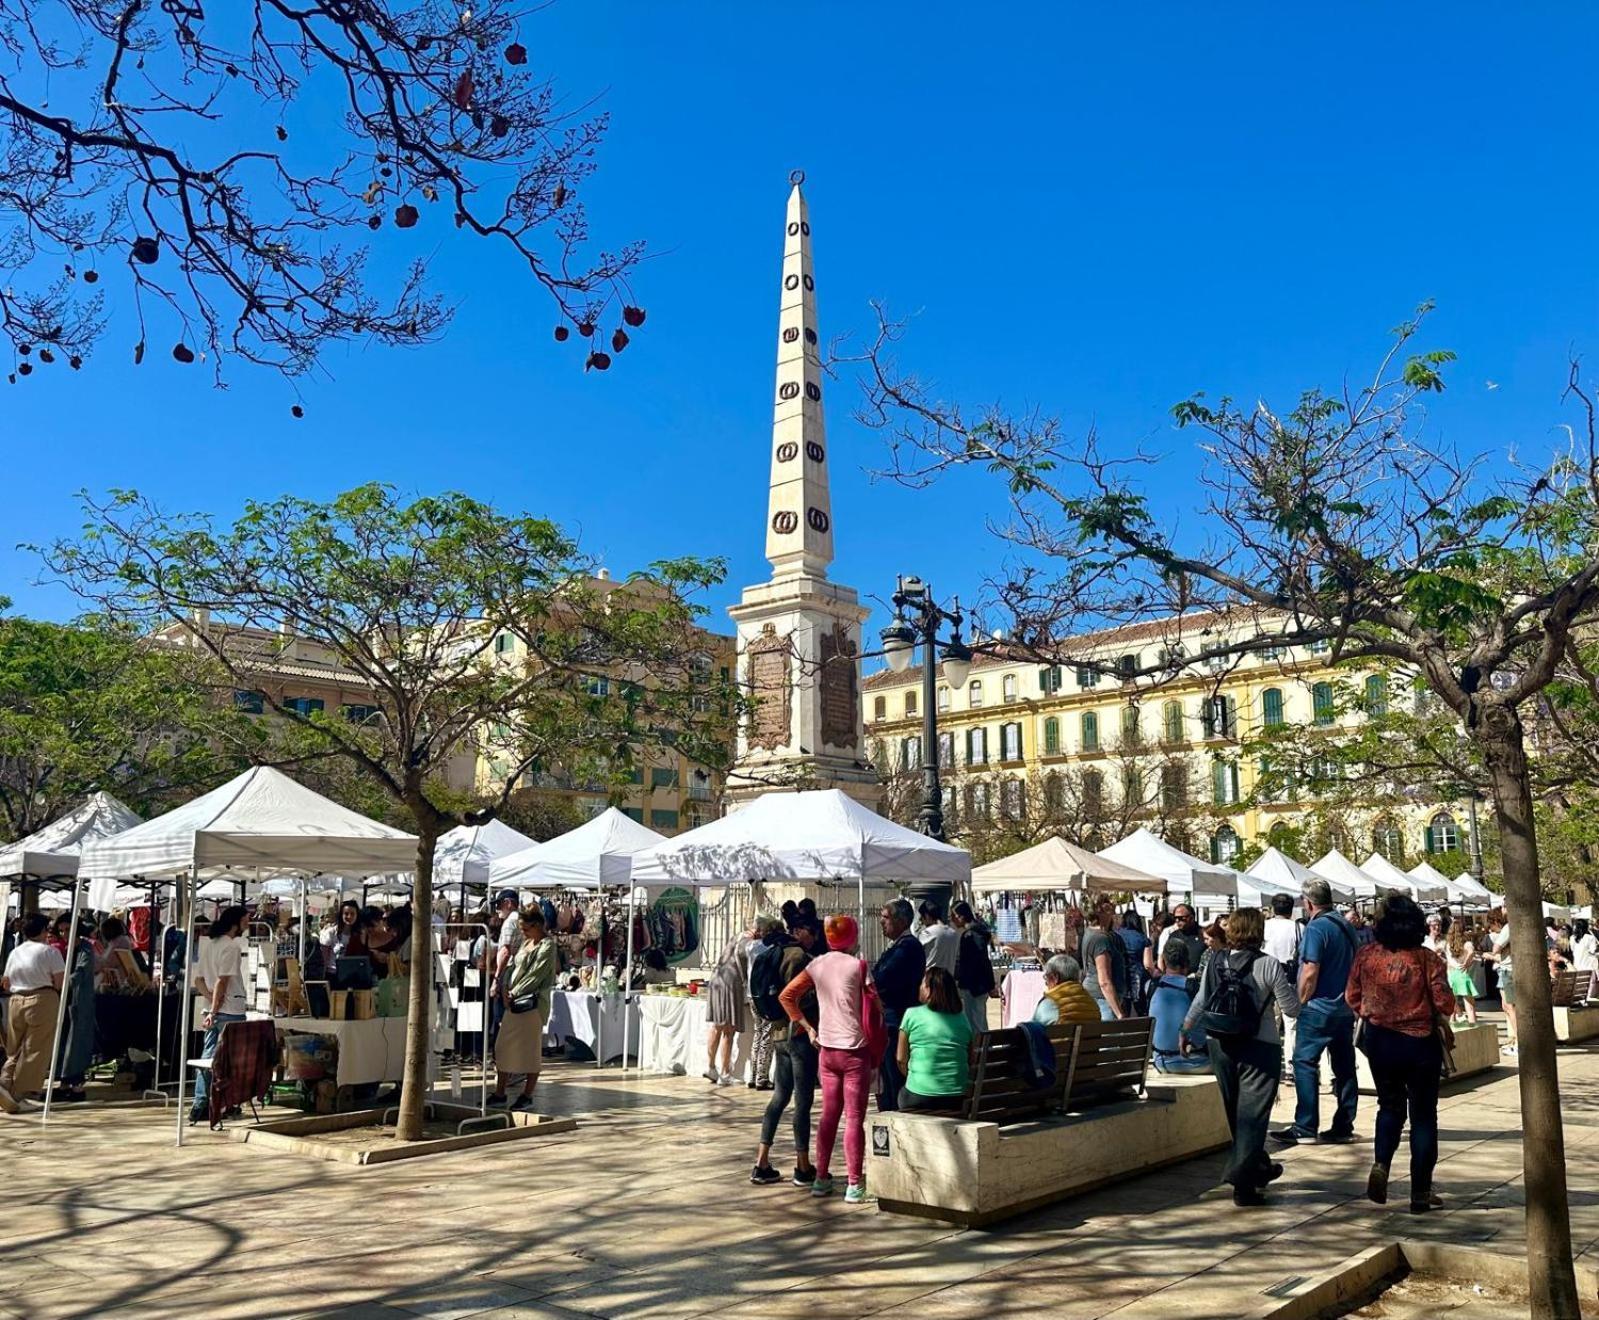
(846,1069)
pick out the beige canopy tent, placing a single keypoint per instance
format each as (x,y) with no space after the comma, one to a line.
(1057,864)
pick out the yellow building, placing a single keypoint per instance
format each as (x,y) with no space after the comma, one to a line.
(1130,738)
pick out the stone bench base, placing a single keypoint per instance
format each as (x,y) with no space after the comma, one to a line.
(972,1174)
(1476,1051)
(1574,1024)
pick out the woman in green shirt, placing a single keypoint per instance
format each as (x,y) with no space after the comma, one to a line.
(935,1046)
(519,1048)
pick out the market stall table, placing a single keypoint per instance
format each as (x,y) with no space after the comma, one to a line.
(580,1015)
(672,1036)
(1020,992)
(372,1050)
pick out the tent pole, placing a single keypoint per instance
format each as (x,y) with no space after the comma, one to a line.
(157,972)
(627,970)
(186,1004)
(61,1001)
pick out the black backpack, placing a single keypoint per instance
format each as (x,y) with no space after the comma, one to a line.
(766,982)
(1231,1007)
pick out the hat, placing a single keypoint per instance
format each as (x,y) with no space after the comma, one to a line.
(841,931)
(505,896)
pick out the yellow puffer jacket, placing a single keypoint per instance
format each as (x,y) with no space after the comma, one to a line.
(1072,1003)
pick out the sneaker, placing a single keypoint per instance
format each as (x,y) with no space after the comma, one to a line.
(8,1102)
(804,1177)
(199,1114)
(855,1194)
(1291,1136)
(523,1104)
(727,1079)
(1274,1171)
(72,1096)
(764,1175)
(822,1187)
(763,1086)
(712,1076)
(1510,1050)
(499,1102)
(1333,1137)
(1377,1185)
(1248,1196)
(1432,1202)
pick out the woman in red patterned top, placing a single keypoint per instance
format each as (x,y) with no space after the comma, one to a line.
(1400,990)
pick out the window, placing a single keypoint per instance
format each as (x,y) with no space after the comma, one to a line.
(1224,845)
(1093,794)
(1087,676)
(304,705)
(943,698)
(1321,702)
(1007,687)
(910,704)
(699,786)
(946,749)
(1133,785)
(1010,742)
(1319,647)
(1049,680)
(879,708)
(1376,695)
(910,754)
(599,685)
(1051,736)
(880,757)
(663,820)
(635,775)
(1271,708)
(974,693)
(1219,717)
(1054,794)
(1173,787)
(976,746)
(1273,652)
(1090,731)
(951,813)
(1443,835)
(977,801)
(1127,665)
(634,813)
(1324,772)
(251,703)
(663,777)
(1223,783)
(1132,732)
(1171,722)
(1389,840)
(504,644)
(1012,799)
(360,714)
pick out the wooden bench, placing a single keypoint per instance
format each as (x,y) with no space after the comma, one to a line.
(1096,1063)
(1569,989)
(1111,1062)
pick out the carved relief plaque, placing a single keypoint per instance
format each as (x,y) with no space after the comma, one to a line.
(841,701)
(771,690)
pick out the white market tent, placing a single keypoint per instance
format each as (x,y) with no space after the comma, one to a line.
(1183,874)
(814,836)
(1258,891)
(53,851)
(1338,870)
(1057,864)
(596,855)
(1389,876)
(1459,894)
(260,821)
(1474,888)
(463,855)
(1280,869)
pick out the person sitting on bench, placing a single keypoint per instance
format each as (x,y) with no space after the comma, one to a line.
(1065,1001)
(1168,1006)
(935,1046)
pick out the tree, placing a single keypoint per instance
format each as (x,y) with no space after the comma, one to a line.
(482,635)
(1337,522)
(89,706)
(168,147)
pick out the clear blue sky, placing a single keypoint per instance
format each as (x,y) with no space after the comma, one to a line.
(1096,210)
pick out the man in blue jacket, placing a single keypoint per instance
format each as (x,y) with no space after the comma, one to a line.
(1326,1022)
(898,977)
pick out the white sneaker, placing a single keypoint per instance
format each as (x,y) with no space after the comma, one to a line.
(727,1079)
(712,1076)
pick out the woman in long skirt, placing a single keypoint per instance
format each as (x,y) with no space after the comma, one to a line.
(519,1048)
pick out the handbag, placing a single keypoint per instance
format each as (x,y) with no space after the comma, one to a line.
(523,1003)
(872,1028)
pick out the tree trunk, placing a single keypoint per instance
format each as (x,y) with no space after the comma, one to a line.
(1552,1283)
(419,1012)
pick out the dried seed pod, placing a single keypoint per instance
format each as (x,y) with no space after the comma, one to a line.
(599,361)
(585,328)
(562,334)
(619,340)
(406,216)
(146,251)
(91,276)
(297,411)
(634,316)
(183,352)
(516,53)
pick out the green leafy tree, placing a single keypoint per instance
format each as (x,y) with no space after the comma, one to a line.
(1336,523)
(480,634)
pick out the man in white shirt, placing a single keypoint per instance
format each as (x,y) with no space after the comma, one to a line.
(219,981)
(1282,935)
(33,976)
(943,943)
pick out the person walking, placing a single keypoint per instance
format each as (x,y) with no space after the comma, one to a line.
(846,1064)
(1233,1006)
(898,977)
(1282,936)
(1460,955)
(1326,1023)
(219,980)
(727,1008)
(519,1050)
(794,1062)
(769,933)
(974,973)
(942,942)
(1584,954)
(1134,944)
(33,974)
(1398,987)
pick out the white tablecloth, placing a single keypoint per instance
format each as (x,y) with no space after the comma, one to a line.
(579,1015)
(369,1051)
(672,1035)
(1020,992)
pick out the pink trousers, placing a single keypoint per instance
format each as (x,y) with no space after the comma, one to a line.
(846,1078)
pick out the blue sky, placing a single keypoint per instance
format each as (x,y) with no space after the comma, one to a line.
(1095,210)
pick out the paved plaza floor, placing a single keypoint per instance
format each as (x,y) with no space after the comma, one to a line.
(646,1211)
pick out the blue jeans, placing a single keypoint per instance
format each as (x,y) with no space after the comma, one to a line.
(213,1033)
(890,1079)
(1322,1029)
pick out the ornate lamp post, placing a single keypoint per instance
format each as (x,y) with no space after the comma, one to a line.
(917,618)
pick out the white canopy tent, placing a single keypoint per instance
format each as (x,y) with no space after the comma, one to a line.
(1389,876)
(260,821)
(1459,894)
(1282,870)
(1474,888)
(1338,870)
(1258,891)
(596,855)
(1183,874)
(1058,864)
(54,851)
(464,855)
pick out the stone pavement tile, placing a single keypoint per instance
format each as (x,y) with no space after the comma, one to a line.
(456,1299)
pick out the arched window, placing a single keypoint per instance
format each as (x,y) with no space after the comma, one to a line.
(1132,731)
(1051,736)
(910,704)
(1389,840)
(1007,687)
(1173,787)
(1171,722)
(1093,794)
(1223,782)
(880,708)
(943,698)
(1271,708)
(910,754)
(951,811)
(1012,799)
(1376,695)
(1224,845)
(1219,716)
(1090,731)
(1010,741)
(974,693)
(977,801)
(1054,796)
(1321,702)
(1443,835)
(1133,785)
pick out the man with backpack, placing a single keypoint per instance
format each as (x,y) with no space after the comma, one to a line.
(765,953)
(898,977)
(794,1052)
(1326,1022)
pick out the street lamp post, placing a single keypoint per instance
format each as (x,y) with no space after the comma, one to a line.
(917,618)
(1476,838)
